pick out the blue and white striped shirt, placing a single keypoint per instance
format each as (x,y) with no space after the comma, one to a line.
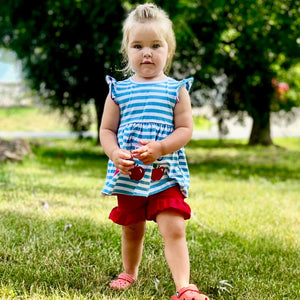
(147,113)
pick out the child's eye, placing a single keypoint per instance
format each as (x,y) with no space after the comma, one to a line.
(155,46)
(137,46)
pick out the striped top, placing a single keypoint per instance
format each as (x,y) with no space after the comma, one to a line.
(147,113)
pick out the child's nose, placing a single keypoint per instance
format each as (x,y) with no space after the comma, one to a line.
(147,52)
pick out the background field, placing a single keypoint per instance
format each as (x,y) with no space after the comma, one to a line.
(57,243)
(43,119)
(31,119)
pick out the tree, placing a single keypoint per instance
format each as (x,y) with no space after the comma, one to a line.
(67,47)
(241,45)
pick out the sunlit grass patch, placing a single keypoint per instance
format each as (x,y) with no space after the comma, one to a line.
(31,119)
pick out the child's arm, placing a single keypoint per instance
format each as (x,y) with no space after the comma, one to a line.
(183,120)
(108,137)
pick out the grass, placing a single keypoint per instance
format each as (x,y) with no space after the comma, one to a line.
(56,241)
(201,123)
(31,119)
(27,118)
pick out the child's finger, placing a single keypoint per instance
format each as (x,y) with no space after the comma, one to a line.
(139,150)
(126,154)
(144,142)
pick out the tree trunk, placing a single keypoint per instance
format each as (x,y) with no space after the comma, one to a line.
(99,105)
(261,129)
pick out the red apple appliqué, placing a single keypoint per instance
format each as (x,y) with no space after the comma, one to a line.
(157,172)
(137,173)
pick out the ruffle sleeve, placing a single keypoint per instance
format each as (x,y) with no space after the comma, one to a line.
(112,83)
(187,82)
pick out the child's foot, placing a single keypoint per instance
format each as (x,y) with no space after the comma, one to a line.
(123,282)
(190,292)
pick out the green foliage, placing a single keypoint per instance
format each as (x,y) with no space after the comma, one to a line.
(57,242)
(232,48)
(292,77)
(240,39)
(67,47)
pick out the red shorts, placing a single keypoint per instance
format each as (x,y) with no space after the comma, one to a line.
(135,209)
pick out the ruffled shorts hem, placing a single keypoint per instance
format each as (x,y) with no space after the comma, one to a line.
(119,217)
(135,209)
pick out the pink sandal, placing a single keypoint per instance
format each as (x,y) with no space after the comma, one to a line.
(190,292)
(122,282)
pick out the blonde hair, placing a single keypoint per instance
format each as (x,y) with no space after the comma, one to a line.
(149,12)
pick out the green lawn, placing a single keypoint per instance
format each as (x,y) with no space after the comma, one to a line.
(56,241)
(31,119)
(43,119)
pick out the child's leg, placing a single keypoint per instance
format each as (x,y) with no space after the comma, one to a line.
(132,247)
(172,228)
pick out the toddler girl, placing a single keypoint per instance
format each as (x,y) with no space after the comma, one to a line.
(147,120)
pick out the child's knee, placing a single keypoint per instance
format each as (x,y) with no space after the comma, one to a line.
(171,226)
(174,235)
(134,232)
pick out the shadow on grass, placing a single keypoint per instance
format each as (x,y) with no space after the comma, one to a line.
(239,161)
(213,143)
(244,171)
(228,159)
(39,256)
(91,160)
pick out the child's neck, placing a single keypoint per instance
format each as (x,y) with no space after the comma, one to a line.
(138,78)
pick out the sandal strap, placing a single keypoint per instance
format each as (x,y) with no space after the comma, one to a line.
(126,277)
(189,288)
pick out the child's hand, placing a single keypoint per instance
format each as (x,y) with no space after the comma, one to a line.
(123,161)
(149,152)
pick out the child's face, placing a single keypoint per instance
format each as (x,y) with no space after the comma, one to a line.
(147,51)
